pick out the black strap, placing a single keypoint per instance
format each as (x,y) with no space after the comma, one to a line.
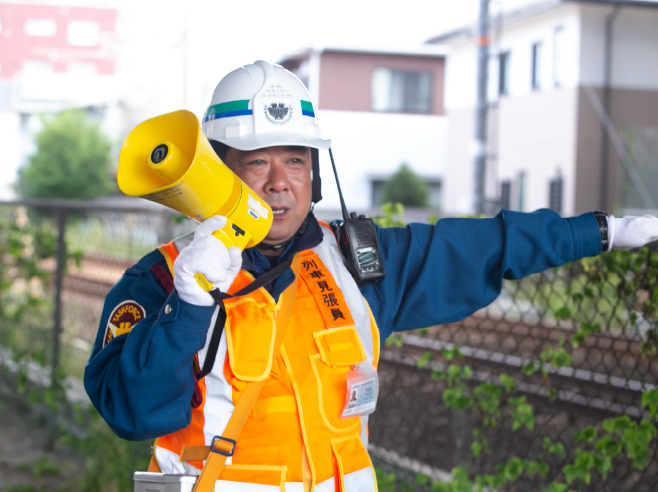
(219,297)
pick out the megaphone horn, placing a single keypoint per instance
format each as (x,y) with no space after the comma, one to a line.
(168,160)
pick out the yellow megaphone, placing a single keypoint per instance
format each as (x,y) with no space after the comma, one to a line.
(168,160)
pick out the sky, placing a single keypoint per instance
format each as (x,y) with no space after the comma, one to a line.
(189,45)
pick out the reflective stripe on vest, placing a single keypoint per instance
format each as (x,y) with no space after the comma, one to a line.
(300,404)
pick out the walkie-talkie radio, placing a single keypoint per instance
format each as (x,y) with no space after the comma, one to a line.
(357,239)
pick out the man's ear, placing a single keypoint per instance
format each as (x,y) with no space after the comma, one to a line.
(316,184)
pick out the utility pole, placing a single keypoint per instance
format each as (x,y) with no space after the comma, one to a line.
(481,108)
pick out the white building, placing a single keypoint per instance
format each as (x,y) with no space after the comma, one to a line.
(552,63)
(381,109)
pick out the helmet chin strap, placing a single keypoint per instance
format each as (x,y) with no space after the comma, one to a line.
(300,231)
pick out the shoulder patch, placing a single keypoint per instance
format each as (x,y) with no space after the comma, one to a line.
(122,320)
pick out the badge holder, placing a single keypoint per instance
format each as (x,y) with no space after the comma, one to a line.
(361,392)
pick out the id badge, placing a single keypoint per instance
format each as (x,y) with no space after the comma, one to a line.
(362,391)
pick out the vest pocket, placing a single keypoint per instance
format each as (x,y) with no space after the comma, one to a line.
(340,346)
(354,465)
(339,349)
(250,331)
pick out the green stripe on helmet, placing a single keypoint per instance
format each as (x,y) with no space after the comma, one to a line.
(307,106)
(228,107)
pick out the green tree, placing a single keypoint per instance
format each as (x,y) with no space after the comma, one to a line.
(407,188)
(72,160)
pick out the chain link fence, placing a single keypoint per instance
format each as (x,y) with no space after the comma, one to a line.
(60,259)
(575,345)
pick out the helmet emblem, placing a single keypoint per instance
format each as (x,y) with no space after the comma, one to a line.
(278,113)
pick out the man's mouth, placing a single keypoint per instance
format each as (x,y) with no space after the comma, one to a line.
(279,211)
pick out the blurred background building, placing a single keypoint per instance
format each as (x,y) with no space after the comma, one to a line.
(386,96)
(52,58)
(382,108)
(556,67)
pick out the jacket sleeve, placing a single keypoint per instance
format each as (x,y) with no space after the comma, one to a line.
(142,382)
(443,273)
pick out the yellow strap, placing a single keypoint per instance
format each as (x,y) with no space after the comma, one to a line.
(194,453)
(275,404)
(215,462)
(267,405)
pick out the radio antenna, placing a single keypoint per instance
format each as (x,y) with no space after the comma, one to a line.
(340,192)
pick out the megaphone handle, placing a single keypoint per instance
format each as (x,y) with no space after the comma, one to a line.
(230,235)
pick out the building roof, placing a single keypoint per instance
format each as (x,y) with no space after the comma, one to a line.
(432,51)
(531,10)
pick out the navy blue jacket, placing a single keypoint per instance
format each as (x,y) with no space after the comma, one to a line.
(142,382)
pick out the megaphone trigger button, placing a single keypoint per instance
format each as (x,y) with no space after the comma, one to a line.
(238,231)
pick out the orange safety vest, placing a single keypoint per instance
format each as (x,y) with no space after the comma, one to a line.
(294,439)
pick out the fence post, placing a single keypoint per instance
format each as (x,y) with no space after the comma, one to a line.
(59,274)
(167,230)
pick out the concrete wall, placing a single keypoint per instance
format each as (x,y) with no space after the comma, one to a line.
(634,53)
(530,130)
(346,78)
(517,38)
(537,136)
(367,144)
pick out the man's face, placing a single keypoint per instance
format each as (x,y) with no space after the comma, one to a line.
(282,177)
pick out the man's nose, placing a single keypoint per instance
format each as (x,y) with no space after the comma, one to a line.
(278,178)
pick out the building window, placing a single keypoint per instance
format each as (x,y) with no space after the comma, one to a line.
(83,33)
(559,52)
(434,185)
(555,194)
(536,65)
(44,28)
(503,73)
(401,91)
(505,193)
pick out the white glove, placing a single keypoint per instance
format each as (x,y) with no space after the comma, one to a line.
(631,232)
(206,255)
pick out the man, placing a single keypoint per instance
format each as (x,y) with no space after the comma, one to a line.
(302,433)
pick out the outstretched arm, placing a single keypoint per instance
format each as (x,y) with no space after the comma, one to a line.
(443,273)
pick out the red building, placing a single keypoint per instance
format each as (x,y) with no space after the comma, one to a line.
(56,35)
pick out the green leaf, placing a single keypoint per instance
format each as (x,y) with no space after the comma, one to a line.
(424,360)
(586,435)
(560,358)
(617,425)
(450,354)
(508,382)
(603,465)
(513,469)
(650,400)
(476,448)
(555,487)
(438,375)
(579,470)
(562,313)
(607,446)
(422,479)
(529,369)
(522,414)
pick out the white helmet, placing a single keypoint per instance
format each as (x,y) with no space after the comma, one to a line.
(262,105)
